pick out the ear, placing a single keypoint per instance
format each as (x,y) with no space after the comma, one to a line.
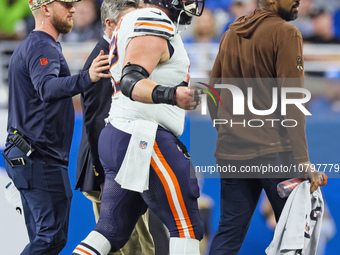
(45,10)
(109,27)
(110,23)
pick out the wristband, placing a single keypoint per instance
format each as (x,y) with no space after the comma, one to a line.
(183,84)
(164,95)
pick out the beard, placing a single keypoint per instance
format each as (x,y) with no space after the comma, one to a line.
(62,27)
(288,15)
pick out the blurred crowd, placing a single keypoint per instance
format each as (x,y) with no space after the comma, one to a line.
(319,23)
(319,20)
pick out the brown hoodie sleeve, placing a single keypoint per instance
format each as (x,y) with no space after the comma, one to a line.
(216,74)
(289,68)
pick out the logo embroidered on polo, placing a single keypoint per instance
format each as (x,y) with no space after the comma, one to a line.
(43,61)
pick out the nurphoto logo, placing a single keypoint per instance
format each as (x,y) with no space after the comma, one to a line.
(279,101)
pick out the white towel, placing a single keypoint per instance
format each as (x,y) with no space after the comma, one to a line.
(135,169)
(299,224)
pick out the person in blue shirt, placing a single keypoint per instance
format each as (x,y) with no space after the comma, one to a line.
(41,109)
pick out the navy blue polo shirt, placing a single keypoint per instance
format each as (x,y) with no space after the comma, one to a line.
(40,95)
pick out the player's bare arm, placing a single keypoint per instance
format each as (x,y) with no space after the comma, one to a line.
(148,52)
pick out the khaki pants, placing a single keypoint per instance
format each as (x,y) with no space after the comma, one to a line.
(140,241)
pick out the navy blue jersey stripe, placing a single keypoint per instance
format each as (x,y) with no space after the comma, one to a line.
(155,19)
(153,31)
(90,248)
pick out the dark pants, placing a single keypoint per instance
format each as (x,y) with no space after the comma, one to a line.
(239,198)
(172,193)
(46,197)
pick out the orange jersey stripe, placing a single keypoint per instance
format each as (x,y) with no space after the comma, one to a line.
(153,25)
(168,195)
(112,64)
(79,249)
(119,23)
(177,188)
(116,93)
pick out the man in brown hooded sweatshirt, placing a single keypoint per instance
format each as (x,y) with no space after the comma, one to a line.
(265,47)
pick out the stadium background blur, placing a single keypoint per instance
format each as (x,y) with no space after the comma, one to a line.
(319,23)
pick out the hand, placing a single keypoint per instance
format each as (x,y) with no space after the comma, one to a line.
(182,97)
(195,98)
(313,176)
(187,99)
(99,64)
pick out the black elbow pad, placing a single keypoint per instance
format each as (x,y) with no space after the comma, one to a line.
(131,74)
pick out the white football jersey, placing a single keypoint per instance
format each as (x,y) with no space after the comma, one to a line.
(141,22)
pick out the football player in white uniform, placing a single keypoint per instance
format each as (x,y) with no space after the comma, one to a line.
(145,164)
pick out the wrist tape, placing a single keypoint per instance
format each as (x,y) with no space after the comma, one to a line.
(164,95)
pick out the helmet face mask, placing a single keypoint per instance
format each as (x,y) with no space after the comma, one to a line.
(186,9)
(190,7)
